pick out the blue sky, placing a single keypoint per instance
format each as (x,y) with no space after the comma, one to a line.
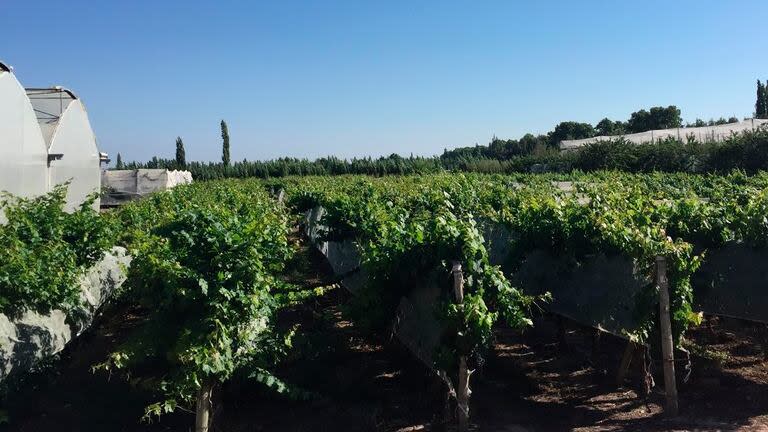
(355,78)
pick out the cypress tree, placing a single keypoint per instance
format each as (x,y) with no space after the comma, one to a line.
(225,143)
(119,162)
(181,156)
(760,104)
(765,99)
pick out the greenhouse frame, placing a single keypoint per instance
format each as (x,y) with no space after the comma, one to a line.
(73,154)
(46,139)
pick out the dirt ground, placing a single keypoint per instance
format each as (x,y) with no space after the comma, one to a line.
(554,377)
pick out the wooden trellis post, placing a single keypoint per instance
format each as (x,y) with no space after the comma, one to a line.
(667,344)
(203,411)
(462,390)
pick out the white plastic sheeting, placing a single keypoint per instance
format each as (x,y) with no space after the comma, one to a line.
(702,134)
(67,131)
(121,186)
(23,153)
(34,336)
(143,181)
(415,323)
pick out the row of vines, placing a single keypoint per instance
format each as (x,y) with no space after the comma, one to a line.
(407,229)
(206,274)
(428,221)
(209,259)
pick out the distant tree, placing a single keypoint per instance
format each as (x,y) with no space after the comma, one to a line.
(497,148)
(225,143)
(570,130)
(765,100)
(181,157)
(604,127)
(607,127)
(655,118)
(712,122)
(528,142)
(698,123)
(119,162)
(761,104)
(639,121)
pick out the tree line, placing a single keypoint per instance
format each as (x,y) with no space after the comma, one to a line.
(180,161)
(747,151)
(531,152)
(639,121)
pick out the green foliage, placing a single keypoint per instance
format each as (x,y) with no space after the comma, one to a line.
(44,250)
(607,127)
(283,167)
(181,156)
(720,358)
(761,103)
(655,118)
(503,150)
(209,258)
(409,230)
(570,130)
(712,122)
(614,218)
(225,144)
(747,151)
(207,261)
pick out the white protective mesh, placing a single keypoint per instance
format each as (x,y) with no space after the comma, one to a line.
(702,134)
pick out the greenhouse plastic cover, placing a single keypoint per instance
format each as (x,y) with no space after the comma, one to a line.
(702,134)
(67,131)
(23,153)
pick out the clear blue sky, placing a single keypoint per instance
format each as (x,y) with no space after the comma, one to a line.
(354,78)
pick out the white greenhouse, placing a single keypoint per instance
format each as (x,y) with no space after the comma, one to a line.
(72,150)
(23,151)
